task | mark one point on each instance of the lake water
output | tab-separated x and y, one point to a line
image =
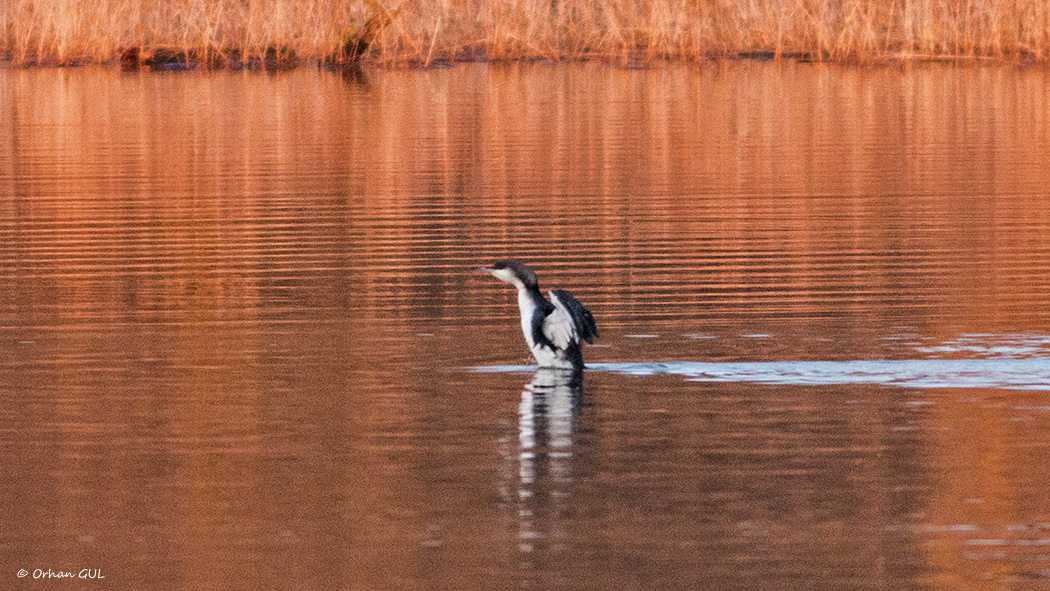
244	343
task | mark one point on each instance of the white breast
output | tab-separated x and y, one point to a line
526	307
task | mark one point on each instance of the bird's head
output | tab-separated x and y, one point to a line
514	273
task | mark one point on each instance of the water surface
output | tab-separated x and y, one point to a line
243	344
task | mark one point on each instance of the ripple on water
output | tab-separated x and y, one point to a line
1008	346
1011	374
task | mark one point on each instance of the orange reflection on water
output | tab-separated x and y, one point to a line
234	309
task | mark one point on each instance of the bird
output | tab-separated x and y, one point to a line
553	329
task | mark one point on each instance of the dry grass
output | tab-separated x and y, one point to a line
72	31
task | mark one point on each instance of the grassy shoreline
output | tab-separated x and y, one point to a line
243	33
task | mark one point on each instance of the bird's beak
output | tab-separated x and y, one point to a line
486	269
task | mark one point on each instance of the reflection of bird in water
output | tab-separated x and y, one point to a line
552	329
546	436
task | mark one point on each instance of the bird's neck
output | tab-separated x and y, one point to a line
530	298
533	289
527	304
530	294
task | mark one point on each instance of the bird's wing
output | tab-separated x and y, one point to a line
570	321
559	329
540	317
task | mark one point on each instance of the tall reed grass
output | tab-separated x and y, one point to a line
70	31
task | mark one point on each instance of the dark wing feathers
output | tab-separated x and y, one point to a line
582	318
539	317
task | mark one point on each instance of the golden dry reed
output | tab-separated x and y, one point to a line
422	31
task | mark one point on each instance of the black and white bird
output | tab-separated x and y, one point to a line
553	329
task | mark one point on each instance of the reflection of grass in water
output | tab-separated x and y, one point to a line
632	31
